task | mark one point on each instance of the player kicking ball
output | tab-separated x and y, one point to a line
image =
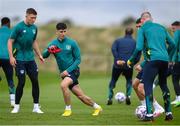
139	86
67	55
139	89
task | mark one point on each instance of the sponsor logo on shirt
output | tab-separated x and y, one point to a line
68	47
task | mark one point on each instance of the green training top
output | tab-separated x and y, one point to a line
176	56
155	36
4	36
24	36
145	55
69	58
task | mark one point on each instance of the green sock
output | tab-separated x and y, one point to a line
149	101
167	102
12	90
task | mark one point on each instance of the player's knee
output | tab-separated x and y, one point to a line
141	88
64	86
135	85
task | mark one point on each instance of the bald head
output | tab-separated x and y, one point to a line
146	16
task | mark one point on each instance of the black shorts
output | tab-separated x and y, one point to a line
29	67
139	75
74	75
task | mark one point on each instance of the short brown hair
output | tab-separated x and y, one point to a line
176	23
31	11
5	21
138	21
129	31
61	26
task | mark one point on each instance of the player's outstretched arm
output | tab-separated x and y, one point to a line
46	53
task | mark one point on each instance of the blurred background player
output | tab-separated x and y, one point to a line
67	54
122	49
23	37
153	37
139	86
176	68
4	57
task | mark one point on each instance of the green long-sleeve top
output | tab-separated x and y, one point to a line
69	57
155	37
4	36
176	56
145	55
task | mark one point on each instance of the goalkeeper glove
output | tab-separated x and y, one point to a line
54	49
129	64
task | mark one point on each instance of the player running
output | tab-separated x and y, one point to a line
67	54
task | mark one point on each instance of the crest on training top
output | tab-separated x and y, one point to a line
68	47
34	31
24	31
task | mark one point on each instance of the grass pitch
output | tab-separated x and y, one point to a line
95	86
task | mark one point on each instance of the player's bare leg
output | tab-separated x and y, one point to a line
136	84
158	109
86	100
66	94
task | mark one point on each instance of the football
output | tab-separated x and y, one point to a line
120	97
140	112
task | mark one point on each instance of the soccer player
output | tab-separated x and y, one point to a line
4	57
122	49
176	68
67	54
23	39
154	36
139	86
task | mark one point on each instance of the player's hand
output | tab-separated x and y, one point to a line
41	58
64	73
13	61
53	49
129	63
120	62
138	68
